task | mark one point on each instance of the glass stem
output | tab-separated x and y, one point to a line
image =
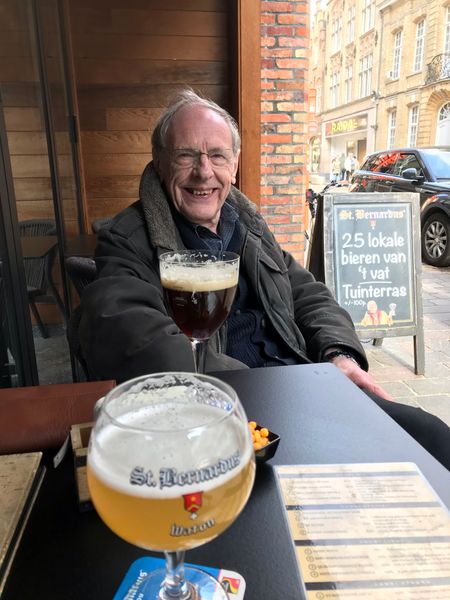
199	347
175	586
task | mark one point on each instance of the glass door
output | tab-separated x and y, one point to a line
41	201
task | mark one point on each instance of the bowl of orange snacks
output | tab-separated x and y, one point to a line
265	442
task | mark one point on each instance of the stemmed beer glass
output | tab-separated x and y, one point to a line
199	290
170	467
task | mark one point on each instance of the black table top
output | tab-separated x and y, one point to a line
321	418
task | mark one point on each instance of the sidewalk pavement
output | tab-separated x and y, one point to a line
392	363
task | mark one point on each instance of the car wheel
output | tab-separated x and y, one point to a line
436	240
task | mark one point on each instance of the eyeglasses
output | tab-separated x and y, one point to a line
188	157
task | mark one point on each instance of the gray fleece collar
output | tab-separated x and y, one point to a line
158	216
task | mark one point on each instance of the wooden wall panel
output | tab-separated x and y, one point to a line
135	21
169	5
110	165
110	71
148	47
23	119
22	105
130	57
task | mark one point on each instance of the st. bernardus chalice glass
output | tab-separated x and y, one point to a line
170	467
199	290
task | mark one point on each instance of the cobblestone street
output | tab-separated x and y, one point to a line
392	363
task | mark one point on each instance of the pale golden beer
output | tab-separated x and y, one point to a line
168	474
165	524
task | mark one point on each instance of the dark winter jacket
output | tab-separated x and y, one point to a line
125	330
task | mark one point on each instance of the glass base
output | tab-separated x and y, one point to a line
200	586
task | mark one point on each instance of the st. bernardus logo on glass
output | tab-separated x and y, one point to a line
193	501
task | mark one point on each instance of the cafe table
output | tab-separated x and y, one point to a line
321	417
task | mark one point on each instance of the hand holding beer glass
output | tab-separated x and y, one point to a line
199	290
170	467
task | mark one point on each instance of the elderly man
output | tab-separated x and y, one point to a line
280	316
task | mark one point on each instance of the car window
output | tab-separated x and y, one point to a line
386	162
438	162
407	160
383	162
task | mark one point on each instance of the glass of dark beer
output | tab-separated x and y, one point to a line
199	289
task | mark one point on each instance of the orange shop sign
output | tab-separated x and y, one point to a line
345	125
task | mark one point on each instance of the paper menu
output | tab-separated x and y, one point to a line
367	531
20	477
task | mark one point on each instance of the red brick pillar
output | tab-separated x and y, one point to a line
284	147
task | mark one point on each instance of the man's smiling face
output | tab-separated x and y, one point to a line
198	191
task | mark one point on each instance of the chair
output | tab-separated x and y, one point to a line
101	223
81	271
38	271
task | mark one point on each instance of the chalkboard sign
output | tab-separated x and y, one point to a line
372	261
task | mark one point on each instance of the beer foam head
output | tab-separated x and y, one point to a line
204	277
206	456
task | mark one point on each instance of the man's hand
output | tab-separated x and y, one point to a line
360	377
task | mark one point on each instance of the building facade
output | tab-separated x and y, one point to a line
414	75
382	78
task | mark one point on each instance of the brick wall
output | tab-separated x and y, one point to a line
284	144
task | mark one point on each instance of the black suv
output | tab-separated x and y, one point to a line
422	170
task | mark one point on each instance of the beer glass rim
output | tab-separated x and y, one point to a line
225	256
115	394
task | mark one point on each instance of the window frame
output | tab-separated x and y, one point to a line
446	47
413	125
392	125
397	54
368	15
348	83
336	33
365	75
335	78
420	46
351	21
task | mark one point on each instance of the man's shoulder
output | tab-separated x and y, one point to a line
128	220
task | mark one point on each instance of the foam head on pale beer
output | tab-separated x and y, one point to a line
171	473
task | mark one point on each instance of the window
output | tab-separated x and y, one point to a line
318	99
397	55
413	120
368	15
381	163
407	161
447	31
420	42
365	75
334	88
443	126
351	12
348	83
314	154
444	113
392	121
336	31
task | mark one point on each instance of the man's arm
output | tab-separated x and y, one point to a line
350	367
328	328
